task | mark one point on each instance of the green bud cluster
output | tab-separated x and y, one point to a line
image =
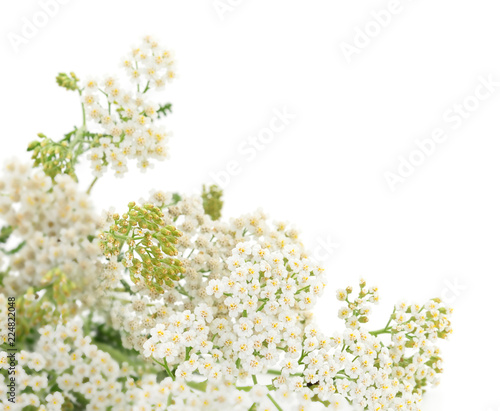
47	304
54	158
61	287
151	246
212	203
69	82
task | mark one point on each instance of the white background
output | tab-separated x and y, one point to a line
325	171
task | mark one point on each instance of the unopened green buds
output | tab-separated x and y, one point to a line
69	82
151	246
54	158
212	202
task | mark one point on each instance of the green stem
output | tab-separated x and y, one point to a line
181	290
261	307
302	289
168	369
83	109
120	236
386	329
274	402
126	286
88	323
302	356
92	185
381	331
248	388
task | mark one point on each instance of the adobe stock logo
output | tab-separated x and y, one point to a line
453	118
452	290
252	145
325	248
222	7
30	27
363	36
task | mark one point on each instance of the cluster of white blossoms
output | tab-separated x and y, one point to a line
66	367
242	309
253	320
256	320
203	249
52	224
125	117
392	374
169	307
66	359
51	263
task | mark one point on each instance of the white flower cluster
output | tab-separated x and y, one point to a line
219	313
391	374
243	309
125	118
203	249
257	323
54	222
66	367
255	320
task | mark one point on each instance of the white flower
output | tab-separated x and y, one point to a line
54	401
149	348
215	288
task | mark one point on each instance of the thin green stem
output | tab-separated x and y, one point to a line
381	331
120	236
165	365
302	356
126	286
92	185
386	329
83	109
274	402
390	318
181	290
168	369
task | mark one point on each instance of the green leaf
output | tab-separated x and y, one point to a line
5	233
176	198
14	250
164	108
200	386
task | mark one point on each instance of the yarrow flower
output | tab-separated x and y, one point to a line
51	258
169	306
120	121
